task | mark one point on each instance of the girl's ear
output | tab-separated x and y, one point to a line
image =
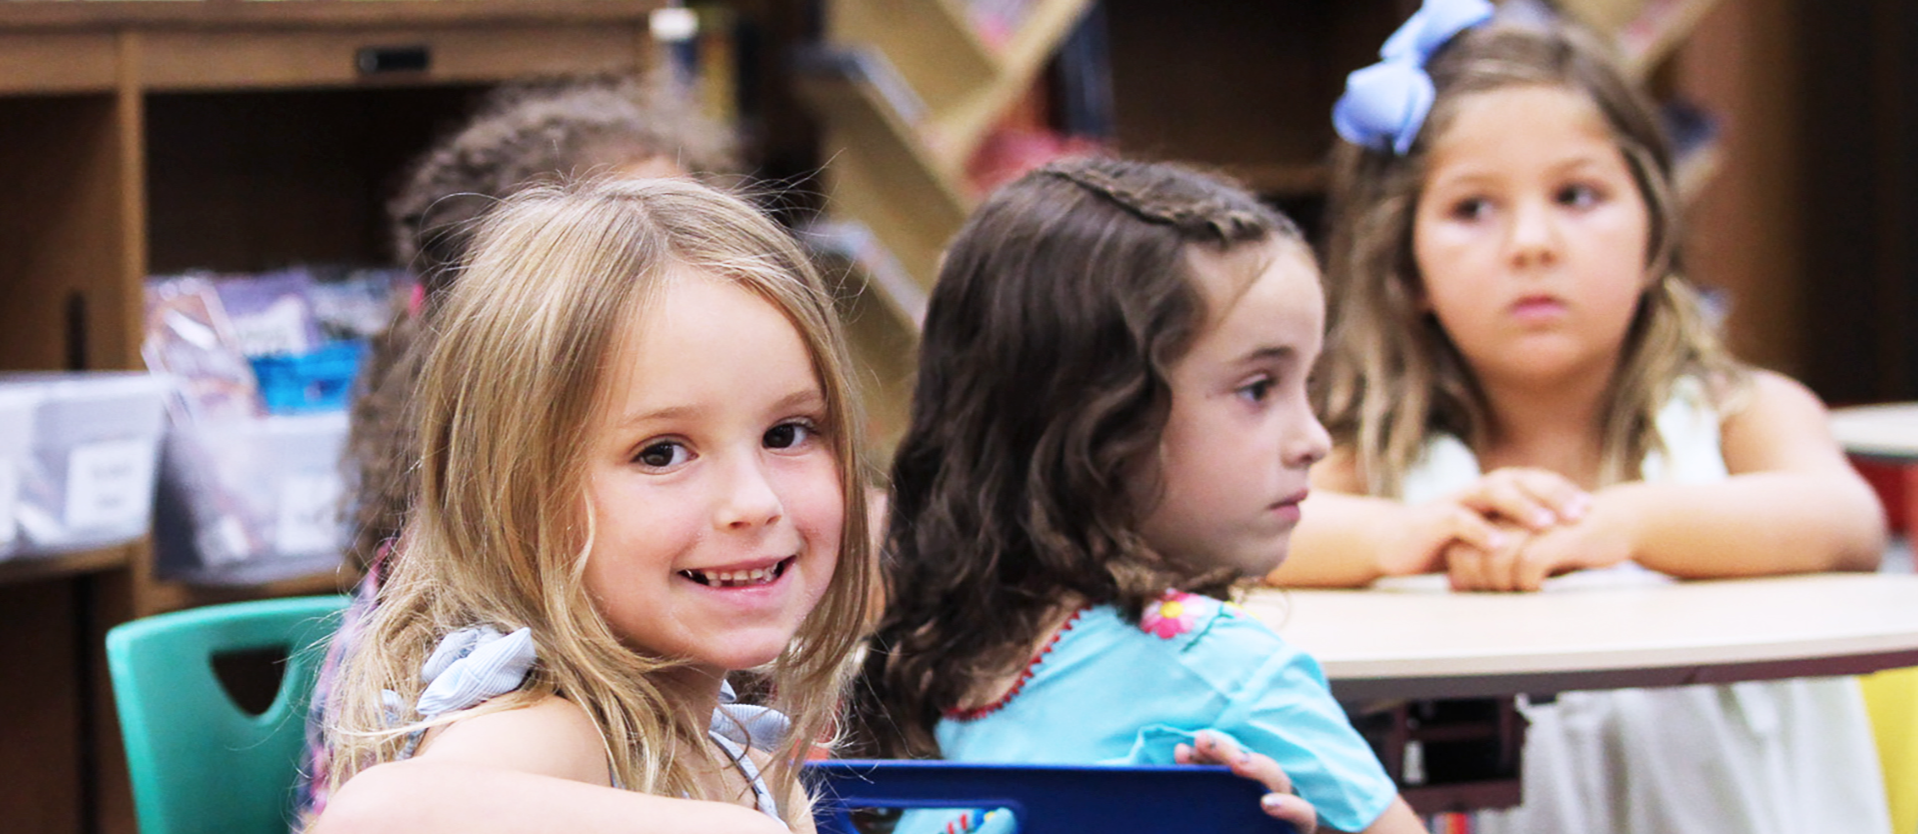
1416	293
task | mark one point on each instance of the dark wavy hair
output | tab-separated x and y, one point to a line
1041	397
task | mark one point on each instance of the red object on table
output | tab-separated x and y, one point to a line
1897	483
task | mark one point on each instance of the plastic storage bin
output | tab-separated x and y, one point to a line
86	479
16	439
251	501
321	380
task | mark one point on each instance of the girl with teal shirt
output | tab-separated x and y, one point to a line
1110	429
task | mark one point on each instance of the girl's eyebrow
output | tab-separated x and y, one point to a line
809	397
799	399
1268	353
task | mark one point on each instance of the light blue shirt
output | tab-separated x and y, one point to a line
1112	692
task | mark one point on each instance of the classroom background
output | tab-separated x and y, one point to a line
190	173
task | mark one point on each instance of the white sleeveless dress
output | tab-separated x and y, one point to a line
1788	756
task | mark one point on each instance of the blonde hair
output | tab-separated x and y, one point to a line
1393	378
525	133
501	532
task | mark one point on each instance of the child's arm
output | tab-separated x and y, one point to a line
1792	504
1348	539
424	796
539	768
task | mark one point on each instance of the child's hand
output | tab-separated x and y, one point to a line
1605	536
1502	567
1524	559
1536	499
1214	747
1431	530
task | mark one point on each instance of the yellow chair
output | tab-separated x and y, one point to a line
1892	700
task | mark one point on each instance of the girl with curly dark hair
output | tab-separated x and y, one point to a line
1110	428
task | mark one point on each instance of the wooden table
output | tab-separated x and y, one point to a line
1422	641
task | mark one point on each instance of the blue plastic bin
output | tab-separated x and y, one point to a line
319	380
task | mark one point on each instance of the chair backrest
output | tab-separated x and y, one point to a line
198	761
1048	799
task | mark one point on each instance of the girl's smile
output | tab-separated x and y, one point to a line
739	576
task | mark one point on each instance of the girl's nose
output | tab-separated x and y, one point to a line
1309	443
1532	235
747	499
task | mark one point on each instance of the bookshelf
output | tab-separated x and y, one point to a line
905	93
146	137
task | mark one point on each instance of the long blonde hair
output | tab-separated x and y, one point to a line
1392	377
501	531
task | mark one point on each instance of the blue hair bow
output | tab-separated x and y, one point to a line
1386	103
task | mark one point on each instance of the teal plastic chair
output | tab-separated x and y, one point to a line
199	762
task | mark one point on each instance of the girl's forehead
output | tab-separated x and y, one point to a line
1224	276
1521	110
698	318
1518	127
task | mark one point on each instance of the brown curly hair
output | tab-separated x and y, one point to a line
535	132
1042	393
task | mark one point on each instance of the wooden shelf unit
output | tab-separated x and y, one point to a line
147	137
906	91
906	94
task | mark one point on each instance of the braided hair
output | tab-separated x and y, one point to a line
1042	393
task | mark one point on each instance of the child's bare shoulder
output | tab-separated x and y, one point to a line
1778	423
550	736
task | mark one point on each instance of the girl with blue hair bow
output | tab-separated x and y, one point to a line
1521	385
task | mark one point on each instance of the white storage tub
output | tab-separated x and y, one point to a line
87	477
16	439
253	500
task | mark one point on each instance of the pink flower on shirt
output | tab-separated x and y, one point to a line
1170	616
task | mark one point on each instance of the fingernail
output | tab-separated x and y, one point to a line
1543	518
1576	508
1497	539
1271	801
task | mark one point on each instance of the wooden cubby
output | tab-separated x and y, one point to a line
905	92
140	138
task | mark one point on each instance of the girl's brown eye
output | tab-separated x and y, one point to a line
1256	391
1578	196
786	435
661	455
